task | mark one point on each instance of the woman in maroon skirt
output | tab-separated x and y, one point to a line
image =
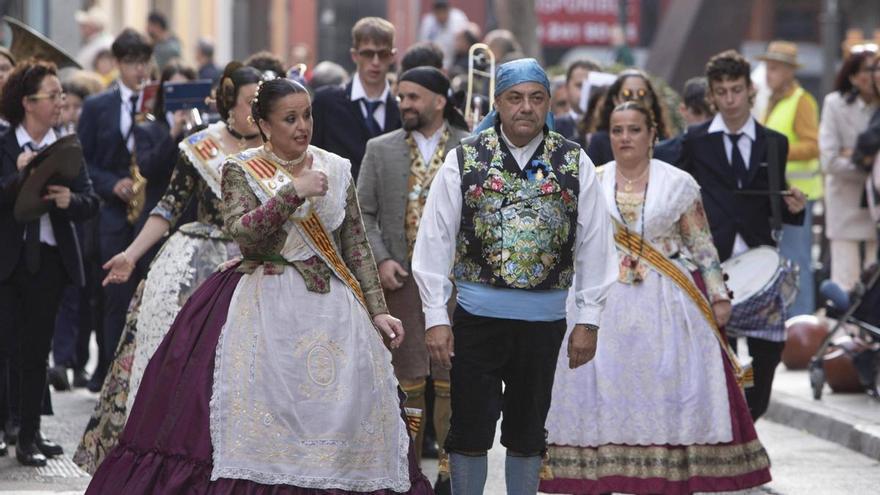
274	377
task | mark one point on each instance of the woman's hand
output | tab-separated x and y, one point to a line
310	183
60	195
24	158
390	326
120	269
226	265
722	311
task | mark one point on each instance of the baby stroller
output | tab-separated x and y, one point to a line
861	308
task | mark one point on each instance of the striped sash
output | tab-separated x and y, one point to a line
270	178
629	243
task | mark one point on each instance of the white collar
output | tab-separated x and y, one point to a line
125	92
432	137
718	125
21	134
358	92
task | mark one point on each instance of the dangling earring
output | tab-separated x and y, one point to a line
231	120
268	143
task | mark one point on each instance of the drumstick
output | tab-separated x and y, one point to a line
754	192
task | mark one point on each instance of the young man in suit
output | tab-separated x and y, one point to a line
727	154
40	257
345	118
395	178
107	132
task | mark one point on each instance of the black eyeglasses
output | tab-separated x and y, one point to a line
384	54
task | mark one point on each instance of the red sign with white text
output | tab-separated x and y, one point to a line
583	22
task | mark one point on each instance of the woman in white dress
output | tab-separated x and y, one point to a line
274	377
658	410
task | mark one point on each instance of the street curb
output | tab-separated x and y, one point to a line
836	426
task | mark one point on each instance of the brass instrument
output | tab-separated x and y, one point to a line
27	42
481	63
135	205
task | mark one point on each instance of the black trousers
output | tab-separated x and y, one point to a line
765	359
116	296
32	299
490	352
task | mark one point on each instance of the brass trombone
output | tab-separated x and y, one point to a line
480	58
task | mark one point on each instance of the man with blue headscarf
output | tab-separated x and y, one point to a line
514	213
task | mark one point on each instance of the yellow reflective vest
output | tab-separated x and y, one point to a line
802	174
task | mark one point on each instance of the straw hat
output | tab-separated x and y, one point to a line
782	51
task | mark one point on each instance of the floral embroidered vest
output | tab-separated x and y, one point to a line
515	232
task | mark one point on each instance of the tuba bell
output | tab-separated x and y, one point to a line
27	42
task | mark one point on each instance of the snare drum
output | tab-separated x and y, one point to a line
764	285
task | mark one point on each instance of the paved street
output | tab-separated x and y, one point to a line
802	463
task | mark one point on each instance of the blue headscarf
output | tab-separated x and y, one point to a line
510	74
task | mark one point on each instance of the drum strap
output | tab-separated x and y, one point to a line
774	185
629	242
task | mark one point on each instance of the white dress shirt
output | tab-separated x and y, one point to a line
125	114
47	235
595	257
745	149
428	144
358	93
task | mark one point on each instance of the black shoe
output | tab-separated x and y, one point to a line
49	448
95	384
429	448
58	378
442	486
29	455
80	378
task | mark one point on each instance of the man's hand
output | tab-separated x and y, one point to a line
390	326
60	195
796	202
123	189
582	345
441	345
389	271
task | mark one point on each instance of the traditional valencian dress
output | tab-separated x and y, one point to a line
186	260
273	379
659	409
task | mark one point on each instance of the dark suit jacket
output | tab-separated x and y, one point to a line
156	153
703	156
669	150
83	205
105	152
339	123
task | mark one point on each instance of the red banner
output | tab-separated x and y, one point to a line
583	22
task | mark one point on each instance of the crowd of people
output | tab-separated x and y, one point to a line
338	275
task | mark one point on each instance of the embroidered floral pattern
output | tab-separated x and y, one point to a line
523	227
185	183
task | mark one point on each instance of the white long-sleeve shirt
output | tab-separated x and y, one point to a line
595	257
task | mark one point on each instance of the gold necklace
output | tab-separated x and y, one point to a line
628	186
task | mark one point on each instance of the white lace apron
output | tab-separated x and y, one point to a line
304	392
658	375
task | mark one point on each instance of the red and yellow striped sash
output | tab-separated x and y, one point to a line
629	243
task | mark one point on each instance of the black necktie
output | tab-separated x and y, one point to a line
132	111
737	162
373	126
32	233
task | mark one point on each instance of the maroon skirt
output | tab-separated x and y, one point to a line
165	447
